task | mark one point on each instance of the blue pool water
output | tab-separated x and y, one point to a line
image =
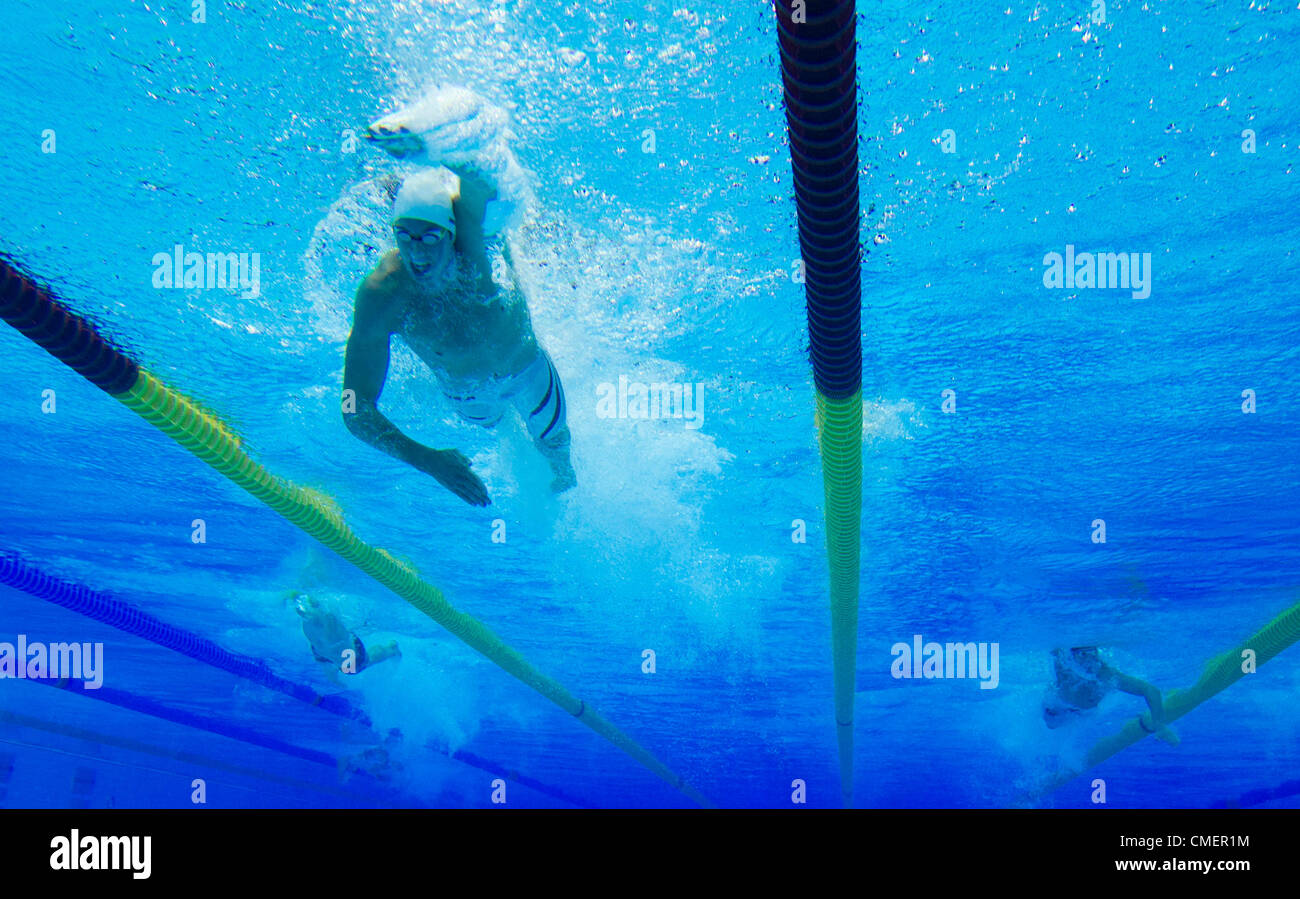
674	265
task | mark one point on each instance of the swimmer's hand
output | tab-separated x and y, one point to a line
451	469
1156	726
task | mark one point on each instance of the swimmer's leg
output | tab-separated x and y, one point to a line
540	400
377	654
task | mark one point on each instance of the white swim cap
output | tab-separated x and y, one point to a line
428	196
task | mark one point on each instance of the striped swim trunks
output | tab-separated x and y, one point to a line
536	392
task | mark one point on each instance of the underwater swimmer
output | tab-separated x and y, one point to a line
330	639
1083	679
377	761
436	291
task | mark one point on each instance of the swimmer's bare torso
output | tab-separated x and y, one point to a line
472	333
464	333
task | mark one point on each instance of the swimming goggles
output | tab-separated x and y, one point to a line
429	238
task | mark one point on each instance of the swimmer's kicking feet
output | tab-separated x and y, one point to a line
436	291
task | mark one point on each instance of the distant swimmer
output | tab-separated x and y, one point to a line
377	761
1083	679
436	291
332	643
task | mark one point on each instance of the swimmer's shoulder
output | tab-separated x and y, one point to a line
385	277
381	297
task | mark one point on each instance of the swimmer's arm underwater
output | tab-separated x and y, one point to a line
1136	687
1155	702
365	371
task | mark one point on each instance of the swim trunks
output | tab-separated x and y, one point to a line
357	646
536	392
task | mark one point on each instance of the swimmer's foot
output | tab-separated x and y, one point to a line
1167	734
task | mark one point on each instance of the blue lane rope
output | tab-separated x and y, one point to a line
147	706
104	608
153	709
102	740
532	783
98	605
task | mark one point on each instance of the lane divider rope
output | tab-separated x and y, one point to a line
818	48
107	609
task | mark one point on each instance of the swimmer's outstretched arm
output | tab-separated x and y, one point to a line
365	371
1154	702
1150	693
